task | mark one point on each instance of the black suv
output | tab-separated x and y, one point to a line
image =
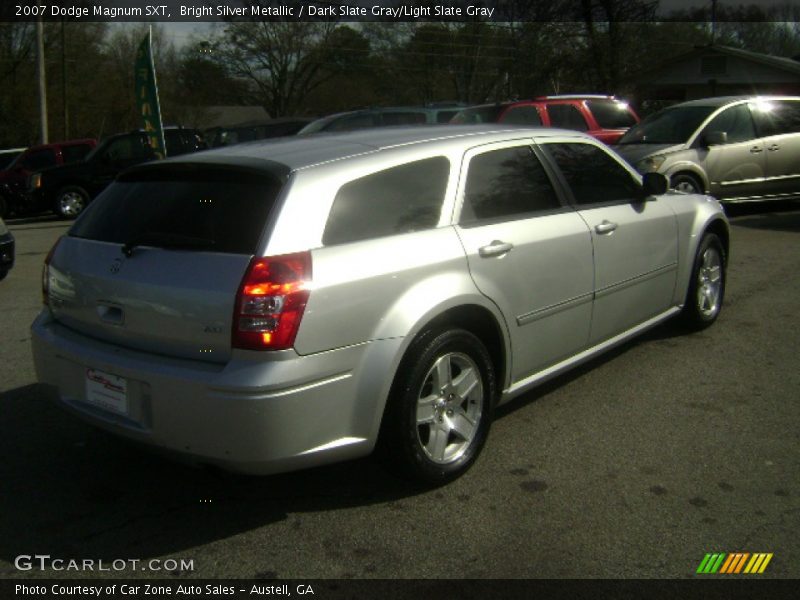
69	188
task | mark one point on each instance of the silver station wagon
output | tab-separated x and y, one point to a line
279	305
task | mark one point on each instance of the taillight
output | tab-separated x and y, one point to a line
271	301
46	274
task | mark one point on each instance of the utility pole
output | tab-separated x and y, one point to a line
64	80
713	21
42	81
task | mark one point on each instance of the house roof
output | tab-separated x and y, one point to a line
787	65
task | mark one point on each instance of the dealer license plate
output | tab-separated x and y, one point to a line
107	391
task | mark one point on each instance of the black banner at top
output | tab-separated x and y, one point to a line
501	11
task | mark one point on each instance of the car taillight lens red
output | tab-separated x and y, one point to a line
46	274
271	301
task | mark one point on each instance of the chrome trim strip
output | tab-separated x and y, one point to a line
614	287
554	308
525	384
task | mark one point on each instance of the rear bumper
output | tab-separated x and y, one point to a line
251	415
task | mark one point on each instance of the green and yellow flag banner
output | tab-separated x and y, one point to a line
147	97
734	563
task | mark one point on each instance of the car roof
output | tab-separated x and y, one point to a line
306	151
718	101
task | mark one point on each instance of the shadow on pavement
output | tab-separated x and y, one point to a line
72	491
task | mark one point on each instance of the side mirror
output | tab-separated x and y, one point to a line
715	138
654	184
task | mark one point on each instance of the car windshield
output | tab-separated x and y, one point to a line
97	149
669	126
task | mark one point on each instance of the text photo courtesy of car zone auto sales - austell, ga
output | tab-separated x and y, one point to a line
425	299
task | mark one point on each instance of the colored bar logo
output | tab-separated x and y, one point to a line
734	563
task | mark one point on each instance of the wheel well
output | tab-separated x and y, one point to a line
691	174
718	227
480	322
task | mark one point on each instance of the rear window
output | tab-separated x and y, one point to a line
610	114
402	199
219	209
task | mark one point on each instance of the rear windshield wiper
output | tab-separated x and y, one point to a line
166	240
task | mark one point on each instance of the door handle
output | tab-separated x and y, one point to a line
496	248
756	150
605	227
774	147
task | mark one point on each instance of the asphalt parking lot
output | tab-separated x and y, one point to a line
635	466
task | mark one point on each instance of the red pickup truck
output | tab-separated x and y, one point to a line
14	178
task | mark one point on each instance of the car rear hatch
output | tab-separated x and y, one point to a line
155	262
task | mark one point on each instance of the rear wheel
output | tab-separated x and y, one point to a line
70	201
440	407
684	182
707	287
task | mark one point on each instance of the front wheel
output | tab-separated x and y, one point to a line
70	202
440	407
689	184
707	287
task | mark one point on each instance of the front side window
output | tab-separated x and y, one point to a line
736	122
398	200
593	176
506	183
403	118
669	126
352	122
566	116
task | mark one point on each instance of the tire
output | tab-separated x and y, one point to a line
70	201
684	182
440	408
707	286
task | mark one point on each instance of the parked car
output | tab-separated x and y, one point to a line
604	117
274	306
251	131
737	148
68	189
383	117
14	178
6	250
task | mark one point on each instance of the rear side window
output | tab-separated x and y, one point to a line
522	115
203	207
506	183
610	114
777	117
566	116
592	175
402	199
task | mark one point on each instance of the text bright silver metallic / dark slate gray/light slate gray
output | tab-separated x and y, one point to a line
274	306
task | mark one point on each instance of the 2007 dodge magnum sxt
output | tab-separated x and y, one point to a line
273	306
